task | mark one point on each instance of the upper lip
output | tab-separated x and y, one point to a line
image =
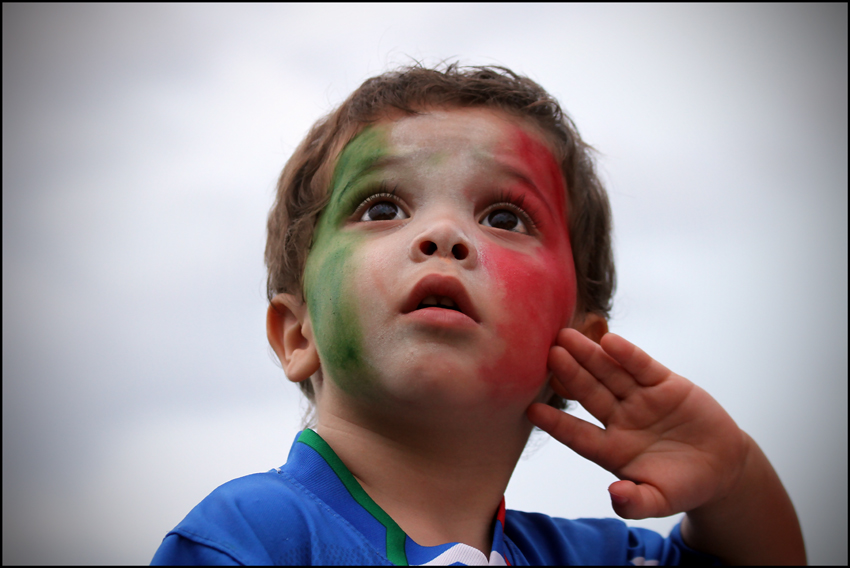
440	285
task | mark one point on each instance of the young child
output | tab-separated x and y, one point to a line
440	272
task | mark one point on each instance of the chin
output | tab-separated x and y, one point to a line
451	385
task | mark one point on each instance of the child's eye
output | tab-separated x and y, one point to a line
505	218
382	207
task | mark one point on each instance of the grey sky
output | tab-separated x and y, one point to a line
141	145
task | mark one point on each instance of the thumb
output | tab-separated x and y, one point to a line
637	501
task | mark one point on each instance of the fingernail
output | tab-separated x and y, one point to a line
619	499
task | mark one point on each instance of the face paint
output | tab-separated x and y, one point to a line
540	159
444	170
538	305
540	289
330	270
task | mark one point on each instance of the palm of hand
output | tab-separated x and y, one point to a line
671	444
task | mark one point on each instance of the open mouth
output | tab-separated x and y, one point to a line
437	291
438	302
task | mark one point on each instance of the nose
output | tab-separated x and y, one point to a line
444	239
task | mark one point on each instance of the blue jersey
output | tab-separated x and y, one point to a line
313	511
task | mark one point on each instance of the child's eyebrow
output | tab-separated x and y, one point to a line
370	166
513	172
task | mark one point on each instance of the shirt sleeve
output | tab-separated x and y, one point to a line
176	550
537	539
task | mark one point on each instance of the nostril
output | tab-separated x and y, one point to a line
460	251
428	247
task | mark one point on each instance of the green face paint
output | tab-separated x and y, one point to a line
331	268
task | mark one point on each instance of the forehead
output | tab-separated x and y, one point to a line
479	132
465	138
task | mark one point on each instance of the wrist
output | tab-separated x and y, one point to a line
753	522
748	472
729	497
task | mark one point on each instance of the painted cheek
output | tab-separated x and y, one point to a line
538	294
538	290
331	269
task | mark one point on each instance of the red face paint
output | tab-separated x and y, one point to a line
443	172
538	288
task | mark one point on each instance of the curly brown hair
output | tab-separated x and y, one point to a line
304	189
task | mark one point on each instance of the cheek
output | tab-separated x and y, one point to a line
330	272
537	295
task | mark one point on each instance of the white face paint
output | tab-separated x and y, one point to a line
463	207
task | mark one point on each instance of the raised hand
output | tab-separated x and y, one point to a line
672	445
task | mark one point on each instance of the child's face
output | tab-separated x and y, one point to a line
461	207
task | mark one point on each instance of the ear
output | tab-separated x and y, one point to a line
592	325
290	333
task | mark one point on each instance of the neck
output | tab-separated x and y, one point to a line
442	482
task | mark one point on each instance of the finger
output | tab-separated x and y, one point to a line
633	501
584	438
645	370
572	381
593	358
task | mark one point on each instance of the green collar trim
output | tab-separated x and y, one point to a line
395	536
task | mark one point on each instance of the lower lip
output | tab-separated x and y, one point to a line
442	318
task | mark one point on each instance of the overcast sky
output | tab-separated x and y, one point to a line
141	146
